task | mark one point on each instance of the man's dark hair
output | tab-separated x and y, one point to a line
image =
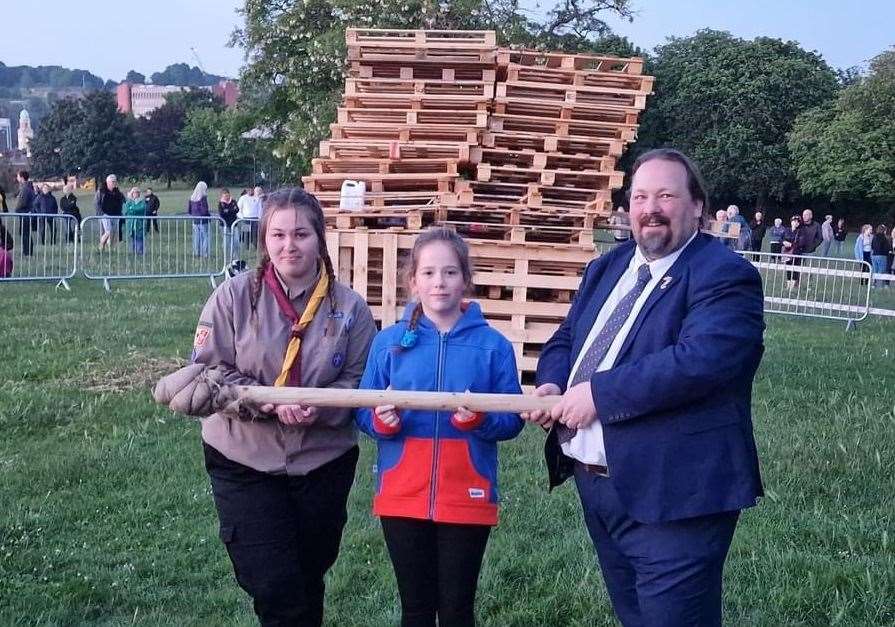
695	182
24	174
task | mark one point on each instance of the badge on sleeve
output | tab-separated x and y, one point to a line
202	331
338	360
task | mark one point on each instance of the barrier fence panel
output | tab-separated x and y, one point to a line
152	247
820	287
243	242
38	247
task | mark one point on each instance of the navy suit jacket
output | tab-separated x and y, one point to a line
676	405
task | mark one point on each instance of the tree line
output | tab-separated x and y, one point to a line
773	125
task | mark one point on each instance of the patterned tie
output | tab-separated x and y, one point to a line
604	339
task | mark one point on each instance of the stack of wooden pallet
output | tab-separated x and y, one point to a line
546	167
415	104
515	149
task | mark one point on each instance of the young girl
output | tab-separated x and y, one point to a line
437	472
135	209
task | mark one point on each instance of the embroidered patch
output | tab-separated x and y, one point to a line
336	315
338	360
476	493
201	336
666	281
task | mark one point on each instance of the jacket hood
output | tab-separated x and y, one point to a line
472	318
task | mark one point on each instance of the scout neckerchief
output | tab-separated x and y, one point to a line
291	372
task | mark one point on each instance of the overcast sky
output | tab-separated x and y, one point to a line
109	37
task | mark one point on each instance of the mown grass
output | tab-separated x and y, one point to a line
106	516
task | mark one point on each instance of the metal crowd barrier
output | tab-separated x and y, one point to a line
818	287
243	244
44	247
152	247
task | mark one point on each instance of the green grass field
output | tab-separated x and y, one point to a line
106	516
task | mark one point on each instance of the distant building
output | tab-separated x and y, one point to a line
140	100
26	134
5	134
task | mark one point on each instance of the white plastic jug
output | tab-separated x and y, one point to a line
352	195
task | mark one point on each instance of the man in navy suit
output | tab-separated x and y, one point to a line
655	363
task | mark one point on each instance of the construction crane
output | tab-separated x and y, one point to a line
198	60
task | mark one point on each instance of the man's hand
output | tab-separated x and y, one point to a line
576	410
293	415
538	416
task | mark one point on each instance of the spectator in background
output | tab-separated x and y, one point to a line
26	202
152	206
863	247
776	234
250	209
813	235
826	236
721	226
68	202
758	229
135	210
839	235
6	245
109	202
198	208
891	264
879	253
3	207
744	239
620	218
228	210
48	207
793	245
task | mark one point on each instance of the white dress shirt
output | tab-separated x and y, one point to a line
587	446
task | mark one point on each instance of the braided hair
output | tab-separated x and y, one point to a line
299	200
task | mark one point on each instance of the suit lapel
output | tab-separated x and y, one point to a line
668	283
605	285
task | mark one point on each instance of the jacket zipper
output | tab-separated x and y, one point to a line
439	382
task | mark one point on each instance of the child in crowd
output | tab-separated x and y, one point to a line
135	225
436	491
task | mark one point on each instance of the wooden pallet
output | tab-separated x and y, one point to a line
404	200
424	71
405	132
348	149
573	94
553	144
566	111
408	218
590	180
594	63
418	102
381	182
419	87
384	166
532	195
416	38
400	117
542	160
639	83
562	128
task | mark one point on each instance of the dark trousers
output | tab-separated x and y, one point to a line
437	567
44	226
153	224
282	533
658	575
25	225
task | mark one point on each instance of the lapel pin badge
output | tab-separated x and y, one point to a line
666	281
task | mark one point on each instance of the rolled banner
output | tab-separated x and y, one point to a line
446	401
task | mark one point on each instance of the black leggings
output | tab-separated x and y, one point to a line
437	567
282	533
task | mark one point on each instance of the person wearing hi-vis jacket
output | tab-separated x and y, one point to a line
280	474
655	363
436	489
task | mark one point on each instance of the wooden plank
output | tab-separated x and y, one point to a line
597	63
389	278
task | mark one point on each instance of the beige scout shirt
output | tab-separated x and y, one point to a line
333	354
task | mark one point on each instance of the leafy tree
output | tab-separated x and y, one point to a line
184	75
158	133
296	49
135	77
845	149
211	146
730	103
47	156
103	140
